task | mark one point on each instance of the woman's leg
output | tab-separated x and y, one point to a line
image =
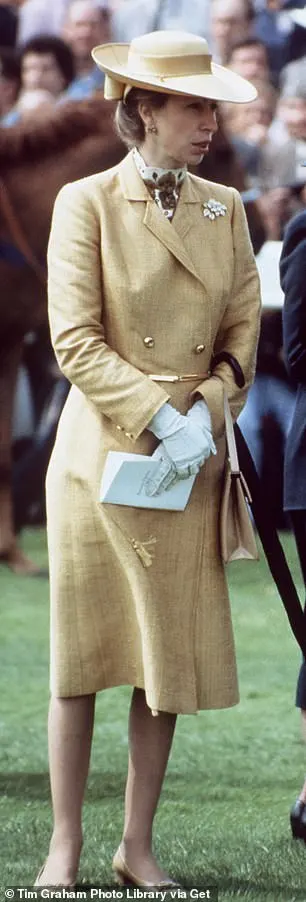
70	729
150	740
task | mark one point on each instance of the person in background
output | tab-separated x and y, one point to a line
291	113
284	148
270	140
47	64
285	40
249	58
292	74
134	17
248	130
230	21
293	282
10	79
40	17
266	417
251	122
87	24
139	597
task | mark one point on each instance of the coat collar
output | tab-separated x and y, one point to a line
170	234
133	186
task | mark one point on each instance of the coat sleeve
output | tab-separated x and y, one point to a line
239	329
119	390
293	282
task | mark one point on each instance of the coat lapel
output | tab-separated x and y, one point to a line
171	235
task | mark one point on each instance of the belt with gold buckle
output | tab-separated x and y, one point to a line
187	377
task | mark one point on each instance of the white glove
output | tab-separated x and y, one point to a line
186	443
166	421
200	414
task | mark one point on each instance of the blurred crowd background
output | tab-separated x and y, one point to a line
45	60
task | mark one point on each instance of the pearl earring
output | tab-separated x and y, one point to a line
152	129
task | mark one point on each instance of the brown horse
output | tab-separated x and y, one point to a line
36	158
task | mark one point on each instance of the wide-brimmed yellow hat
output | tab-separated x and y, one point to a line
174	62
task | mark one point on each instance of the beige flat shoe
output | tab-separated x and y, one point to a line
39	882
125	876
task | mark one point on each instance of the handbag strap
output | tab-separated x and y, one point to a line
230	438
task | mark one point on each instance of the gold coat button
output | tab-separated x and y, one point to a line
199	349
149	341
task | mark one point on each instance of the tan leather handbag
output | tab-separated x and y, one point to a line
237	537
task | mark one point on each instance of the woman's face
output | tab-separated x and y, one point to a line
292	111
41	71
185	128
259	112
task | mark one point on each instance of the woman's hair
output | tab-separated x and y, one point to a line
128	121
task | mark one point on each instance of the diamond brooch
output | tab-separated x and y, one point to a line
213	208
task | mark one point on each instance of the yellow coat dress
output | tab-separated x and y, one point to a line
139	597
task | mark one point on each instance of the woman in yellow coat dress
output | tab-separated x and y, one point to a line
151	273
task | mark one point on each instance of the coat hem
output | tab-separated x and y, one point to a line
162	706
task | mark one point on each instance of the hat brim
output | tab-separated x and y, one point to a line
221	84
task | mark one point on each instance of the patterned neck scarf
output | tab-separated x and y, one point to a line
164	185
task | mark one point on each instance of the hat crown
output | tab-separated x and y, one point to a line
166	54
169	43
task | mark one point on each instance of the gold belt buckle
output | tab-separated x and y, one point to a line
187	377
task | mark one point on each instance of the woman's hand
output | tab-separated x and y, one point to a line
186	443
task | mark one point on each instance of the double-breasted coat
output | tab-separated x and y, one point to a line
139	597
293	281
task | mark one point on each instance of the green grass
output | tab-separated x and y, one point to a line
232	776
